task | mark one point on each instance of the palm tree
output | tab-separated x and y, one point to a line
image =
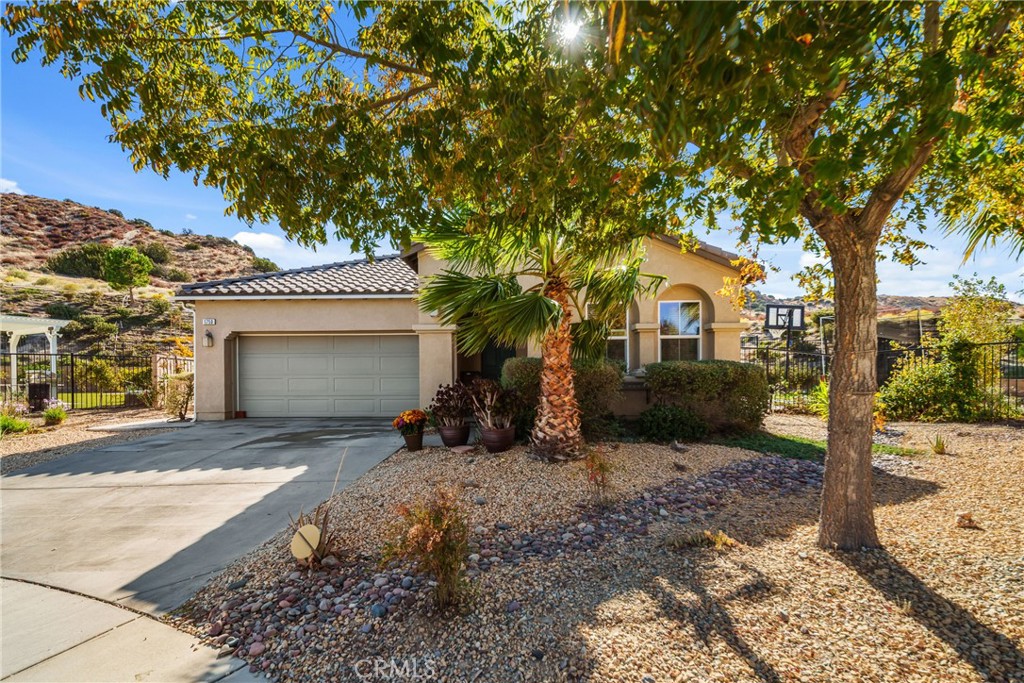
511	286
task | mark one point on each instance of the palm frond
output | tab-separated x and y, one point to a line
588	340
517	319
985	228
456	296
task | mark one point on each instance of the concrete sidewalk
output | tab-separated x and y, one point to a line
52	635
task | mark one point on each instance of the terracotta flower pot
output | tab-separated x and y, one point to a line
454	436
497	440
413	442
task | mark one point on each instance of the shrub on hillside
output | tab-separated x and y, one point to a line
177	275
85	261
61	311
116	212
157	252
264	265
141	221
728	395
597	387
672	423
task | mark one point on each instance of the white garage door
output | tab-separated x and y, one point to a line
323	376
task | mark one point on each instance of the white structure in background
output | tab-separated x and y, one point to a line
14	327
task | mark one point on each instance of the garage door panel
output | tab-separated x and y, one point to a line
400	366
261	386
356	345
308	365
321	376
309	385
393	406
357	365
356	386
393	386
301	345
357	407
263	365
404	345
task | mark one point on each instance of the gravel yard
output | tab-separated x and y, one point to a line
18	451
563	589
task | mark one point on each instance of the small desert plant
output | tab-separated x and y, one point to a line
598	468
44	280
55	412
325	544
938	445
434	534
719	540
450	405
9	423
158	252
817	400
18	274
178	394
177	275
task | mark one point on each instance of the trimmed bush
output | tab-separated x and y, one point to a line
597	388
87	260
944	386
178	394
157	252
727	395
672	423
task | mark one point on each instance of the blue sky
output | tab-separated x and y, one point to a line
54	144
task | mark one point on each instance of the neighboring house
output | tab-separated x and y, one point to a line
347	339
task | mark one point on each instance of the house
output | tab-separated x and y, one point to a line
348	340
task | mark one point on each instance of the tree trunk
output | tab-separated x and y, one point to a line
847	503
556	431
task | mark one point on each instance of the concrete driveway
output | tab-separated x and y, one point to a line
145	524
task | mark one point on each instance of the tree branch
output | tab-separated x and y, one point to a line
402	96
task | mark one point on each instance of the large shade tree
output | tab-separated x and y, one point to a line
845	124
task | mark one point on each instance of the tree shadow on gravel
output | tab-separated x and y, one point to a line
710	618
950	622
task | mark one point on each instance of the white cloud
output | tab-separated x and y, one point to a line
10	186
808	259
190	216
290	255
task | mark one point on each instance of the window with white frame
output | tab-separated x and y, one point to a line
617	344
680	330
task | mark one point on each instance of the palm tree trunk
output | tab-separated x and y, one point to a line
556	431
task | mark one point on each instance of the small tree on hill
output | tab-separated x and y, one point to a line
125	269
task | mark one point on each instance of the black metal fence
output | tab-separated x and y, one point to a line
793	374
81	381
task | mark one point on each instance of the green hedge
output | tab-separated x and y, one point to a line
597	387
728	395
672	423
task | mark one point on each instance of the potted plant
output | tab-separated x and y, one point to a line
493	411
449	409
411	424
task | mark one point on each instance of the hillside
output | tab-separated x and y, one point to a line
34	229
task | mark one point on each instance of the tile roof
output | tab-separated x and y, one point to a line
384	275
706	251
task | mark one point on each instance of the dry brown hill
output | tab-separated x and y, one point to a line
34	228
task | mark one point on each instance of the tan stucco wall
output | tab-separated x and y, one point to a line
688	277
215	372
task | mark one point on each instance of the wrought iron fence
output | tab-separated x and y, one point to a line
793	374
85	381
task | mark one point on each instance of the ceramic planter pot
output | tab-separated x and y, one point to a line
454	436
414	442
497	440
